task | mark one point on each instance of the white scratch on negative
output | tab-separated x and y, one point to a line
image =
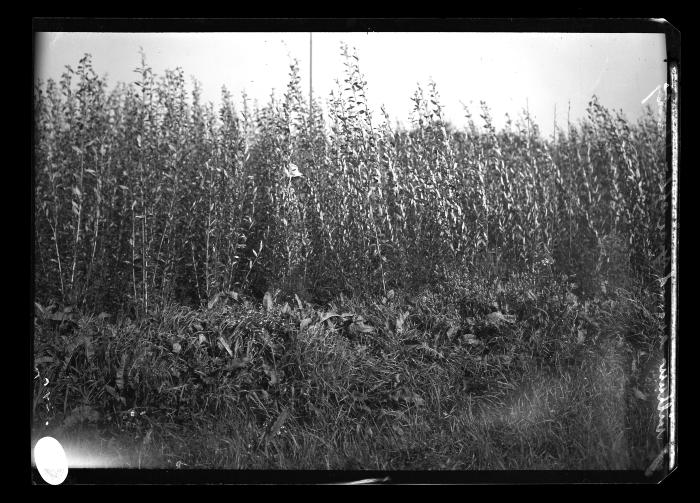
651	94
363	481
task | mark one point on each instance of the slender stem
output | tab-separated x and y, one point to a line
58	254
210	206
77	230
133	254
196	277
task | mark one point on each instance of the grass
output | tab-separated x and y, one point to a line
508	396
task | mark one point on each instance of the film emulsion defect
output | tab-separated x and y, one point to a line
51	461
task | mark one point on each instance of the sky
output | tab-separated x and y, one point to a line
509	71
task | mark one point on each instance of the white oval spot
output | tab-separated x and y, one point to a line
51	460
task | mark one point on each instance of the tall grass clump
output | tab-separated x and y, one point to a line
146	195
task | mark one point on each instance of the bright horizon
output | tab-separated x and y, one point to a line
509	71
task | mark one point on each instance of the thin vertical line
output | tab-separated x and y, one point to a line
527	112
311	77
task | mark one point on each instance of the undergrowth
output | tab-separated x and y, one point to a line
464	376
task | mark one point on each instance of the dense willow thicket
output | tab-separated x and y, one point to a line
144	193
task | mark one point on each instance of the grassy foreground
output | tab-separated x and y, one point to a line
469	374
